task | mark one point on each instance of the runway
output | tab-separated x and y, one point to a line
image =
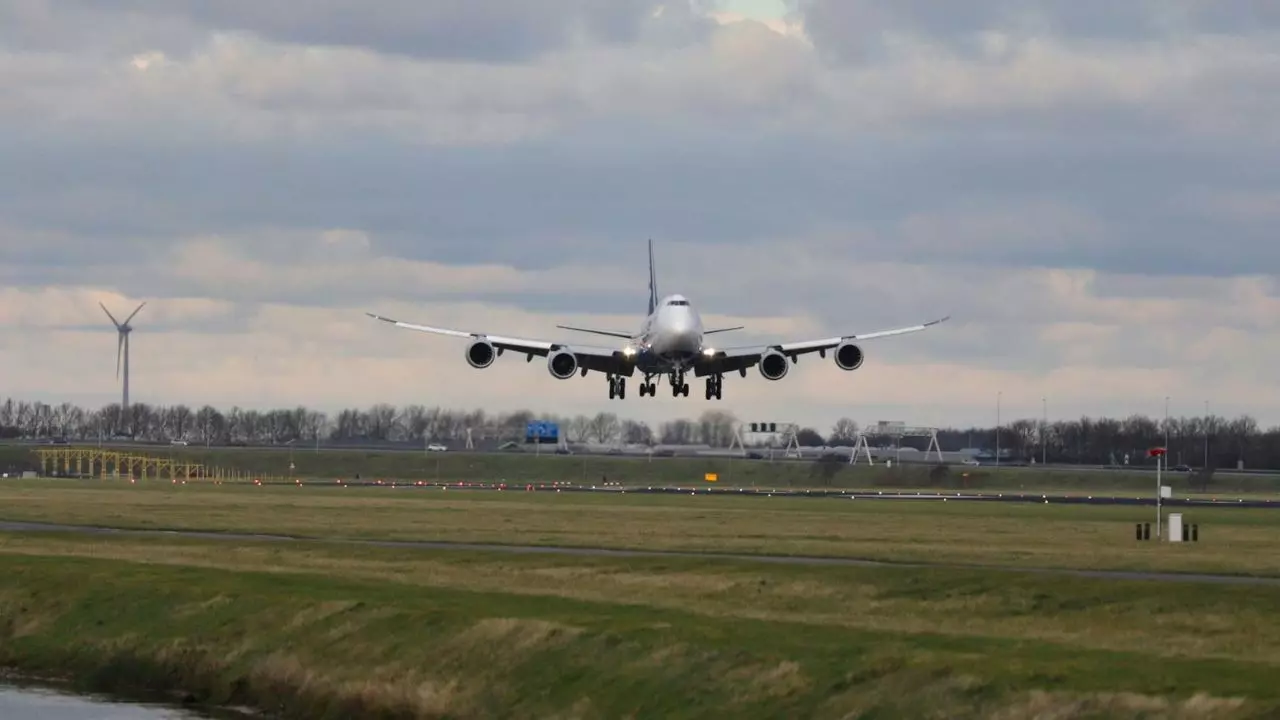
29	527
840	494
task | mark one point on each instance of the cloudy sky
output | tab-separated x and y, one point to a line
1090	188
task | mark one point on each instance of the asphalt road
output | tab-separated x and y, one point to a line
809	455
29	527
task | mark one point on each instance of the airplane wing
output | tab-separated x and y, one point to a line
600	359
610	333
740	358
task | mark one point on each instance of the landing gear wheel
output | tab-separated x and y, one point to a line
617	387
715	385
622	388
678	385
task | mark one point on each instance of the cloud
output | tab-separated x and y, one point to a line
505	31
1089	190
852	30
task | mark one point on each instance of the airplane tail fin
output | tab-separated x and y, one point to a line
653	281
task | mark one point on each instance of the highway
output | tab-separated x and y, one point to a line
807	454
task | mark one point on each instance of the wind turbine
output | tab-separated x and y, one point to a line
122	350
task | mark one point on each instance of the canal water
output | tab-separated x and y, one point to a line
22	702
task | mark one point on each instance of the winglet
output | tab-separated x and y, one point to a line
379	317
937	322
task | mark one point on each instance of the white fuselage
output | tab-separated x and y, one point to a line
671	336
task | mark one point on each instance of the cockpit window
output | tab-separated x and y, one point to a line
678	302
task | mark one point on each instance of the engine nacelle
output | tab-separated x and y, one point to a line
481	353
848	356
774	365
562	364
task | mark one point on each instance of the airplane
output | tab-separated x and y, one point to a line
671	342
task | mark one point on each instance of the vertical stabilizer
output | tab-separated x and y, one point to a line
653	281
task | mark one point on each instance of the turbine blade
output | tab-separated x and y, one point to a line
135	312
119	349
108	312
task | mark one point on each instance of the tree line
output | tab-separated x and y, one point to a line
1095	441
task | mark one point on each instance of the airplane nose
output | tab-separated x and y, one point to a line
685	337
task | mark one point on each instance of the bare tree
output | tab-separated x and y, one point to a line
844	432
604	428
1087	440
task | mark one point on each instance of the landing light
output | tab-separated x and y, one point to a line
628	350
709	351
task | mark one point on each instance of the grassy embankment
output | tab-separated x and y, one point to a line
326	631
323	629
526	467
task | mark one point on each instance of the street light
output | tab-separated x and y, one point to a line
1166	422
1206	436
1159	454
1044	424
998	394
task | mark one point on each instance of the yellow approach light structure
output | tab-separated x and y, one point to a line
105	463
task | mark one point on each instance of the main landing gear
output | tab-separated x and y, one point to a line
715	386
618	387
679	388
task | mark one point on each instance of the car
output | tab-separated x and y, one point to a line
436	447
178	442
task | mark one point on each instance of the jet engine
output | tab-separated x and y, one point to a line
562	364
848	356
481	353
774	365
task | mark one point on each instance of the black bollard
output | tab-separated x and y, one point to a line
1146	531
1195	533
1137	530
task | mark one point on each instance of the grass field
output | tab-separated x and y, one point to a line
526	467
335	630
1032	534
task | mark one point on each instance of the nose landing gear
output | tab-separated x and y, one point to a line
678	385
647	387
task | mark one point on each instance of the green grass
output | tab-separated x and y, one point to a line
327	631
1021	535
525	467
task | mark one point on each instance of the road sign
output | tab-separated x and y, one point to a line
711	477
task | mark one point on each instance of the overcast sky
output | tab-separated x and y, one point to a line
1090	188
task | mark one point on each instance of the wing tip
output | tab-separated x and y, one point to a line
939	321
379	317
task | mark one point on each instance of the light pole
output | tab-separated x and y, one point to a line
998	394
1044	425
1159	490
1206	436
1166	423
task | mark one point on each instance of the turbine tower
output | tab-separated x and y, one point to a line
122	350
